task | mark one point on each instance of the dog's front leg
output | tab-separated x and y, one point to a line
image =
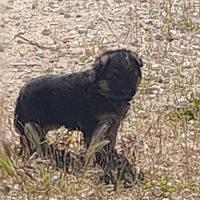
111	134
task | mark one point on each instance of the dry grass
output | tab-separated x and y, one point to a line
160	135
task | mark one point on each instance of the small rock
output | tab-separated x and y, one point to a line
111	19
33	6
16	17
67	15
6	20
159	37
20	69
55	23
186	64
23	31
65	40
72	32
143	114
173	32
88	52
22	53
78	16
1	48
118	1
196	15
56	180
31	64
157	191
46	31
166	80
156	66
16	187
17	23
159	78
61	53
81	31
196	41
182	102
17	64
152	90
53	58
62	12
26	78
40	54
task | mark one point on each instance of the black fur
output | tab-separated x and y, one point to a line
80	101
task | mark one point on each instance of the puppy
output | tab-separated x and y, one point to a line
84	100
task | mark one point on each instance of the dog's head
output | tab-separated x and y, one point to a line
118	74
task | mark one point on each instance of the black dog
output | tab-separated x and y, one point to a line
83	100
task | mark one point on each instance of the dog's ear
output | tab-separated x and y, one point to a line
139	61
101	62
103	59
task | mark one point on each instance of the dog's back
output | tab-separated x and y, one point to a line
52	100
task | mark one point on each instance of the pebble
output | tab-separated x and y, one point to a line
186	64
196	15
81	31
20	69
156	67
1	48
159	37
152	90
61	53
34	6
46	31
157	191
173	32
55	23
166	80
53	5
40	54
159	78
67	15
23	31
17	64
6	20
53	58
22	53
56	180
182	102
16	187
65	40
26	78
17	23
16	17
62	12
31	64
143	114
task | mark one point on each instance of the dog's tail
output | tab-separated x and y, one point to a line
18	124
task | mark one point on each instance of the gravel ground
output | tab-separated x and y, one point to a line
161	133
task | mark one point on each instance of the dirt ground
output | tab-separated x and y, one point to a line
163	125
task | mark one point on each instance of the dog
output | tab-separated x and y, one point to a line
83	100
